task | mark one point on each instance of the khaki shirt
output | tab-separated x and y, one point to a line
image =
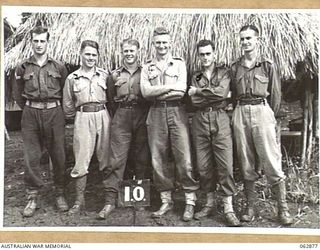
153	79
211	91
79	90
126	84
261	80
39	83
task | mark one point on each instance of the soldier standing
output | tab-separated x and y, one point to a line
257	92
85	98
211	131
163	81
128	126
38	91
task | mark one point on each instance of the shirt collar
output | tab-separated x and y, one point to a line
33	60
79	73
260	59
169	60
123	67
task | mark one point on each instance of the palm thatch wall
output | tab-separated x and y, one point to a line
287	38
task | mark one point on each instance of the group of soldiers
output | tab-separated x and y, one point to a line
140	110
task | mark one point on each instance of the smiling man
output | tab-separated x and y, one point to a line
163	81
256	90
211	132
38	91
128	127
85	98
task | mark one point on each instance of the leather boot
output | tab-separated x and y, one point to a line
208	207
191	199
188	213
32	196
283	210
61	202
80	186
166	206
249	214
230	215
104	213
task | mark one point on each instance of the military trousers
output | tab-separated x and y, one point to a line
128	135
91	134
212	141
256	144
168	134
43	128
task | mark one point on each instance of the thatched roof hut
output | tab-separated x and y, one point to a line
287	38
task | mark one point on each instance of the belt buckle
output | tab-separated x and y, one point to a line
163	104
45	105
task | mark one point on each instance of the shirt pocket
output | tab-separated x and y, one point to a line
54	80
122	87
79	86
260	87
30	84
100	92
170	76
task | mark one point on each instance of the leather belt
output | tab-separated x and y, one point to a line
164	104
251	101
43	105
211	108
94	107
128	105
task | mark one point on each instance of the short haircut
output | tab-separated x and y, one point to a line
131	42
204	42
160	31
39	30
250	27
89	43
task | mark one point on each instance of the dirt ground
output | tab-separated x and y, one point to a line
305	215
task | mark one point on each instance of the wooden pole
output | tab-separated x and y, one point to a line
6	133
304	130
310	128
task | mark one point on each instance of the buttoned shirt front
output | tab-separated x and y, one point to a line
154	77
79	90
39	83
260	80
127	84
211	91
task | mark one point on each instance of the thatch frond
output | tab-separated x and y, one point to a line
286	38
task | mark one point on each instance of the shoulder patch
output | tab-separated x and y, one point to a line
116	72
149	61
177	58
198	76
102	70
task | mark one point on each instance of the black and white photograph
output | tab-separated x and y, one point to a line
155	119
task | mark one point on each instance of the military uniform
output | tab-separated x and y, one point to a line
257	95
128	130
85	98
167	125
38	91
212	139
211	131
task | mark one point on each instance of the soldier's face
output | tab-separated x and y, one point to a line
39	43
249	40
162	44
206	55
130	53
89	57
